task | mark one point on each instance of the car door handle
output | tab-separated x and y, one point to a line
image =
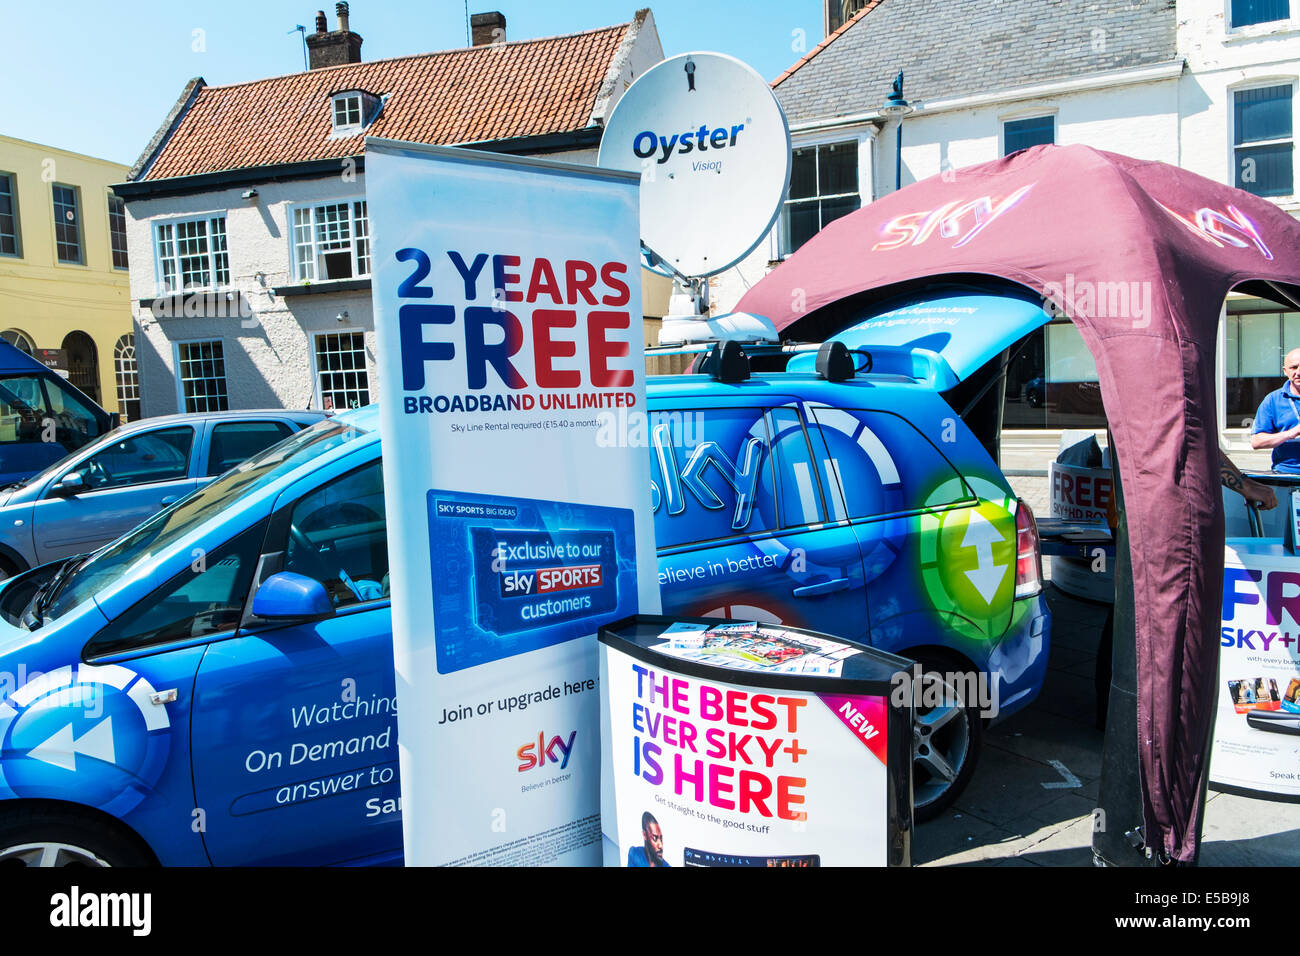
824	587
169	499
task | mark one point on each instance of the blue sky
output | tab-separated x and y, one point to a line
98	78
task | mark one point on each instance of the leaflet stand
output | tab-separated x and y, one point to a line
734	743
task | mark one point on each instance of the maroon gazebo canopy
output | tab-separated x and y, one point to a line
1094	233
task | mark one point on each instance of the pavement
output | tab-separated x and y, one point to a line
1031	800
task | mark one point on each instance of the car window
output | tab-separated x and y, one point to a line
22	409
337	535
878	464
128	554
140	458
207	598
711	475
232	442
74	419
796	470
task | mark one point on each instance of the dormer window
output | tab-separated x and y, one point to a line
352	111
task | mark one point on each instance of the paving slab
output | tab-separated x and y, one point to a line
1243	831
1063	846
1068	695
1006	790
1043	736
954	834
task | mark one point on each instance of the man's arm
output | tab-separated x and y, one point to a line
1273	439
1248	488
1267	434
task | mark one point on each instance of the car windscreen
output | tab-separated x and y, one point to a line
125	555
41	408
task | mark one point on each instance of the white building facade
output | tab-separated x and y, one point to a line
250	269
1195	85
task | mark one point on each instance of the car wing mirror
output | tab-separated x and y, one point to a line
288	596
71	483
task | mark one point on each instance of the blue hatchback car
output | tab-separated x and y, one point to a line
162	697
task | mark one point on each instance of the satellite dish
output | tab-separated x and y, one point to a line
713	149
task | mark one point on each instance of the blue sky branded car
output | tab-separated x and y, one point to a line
163	697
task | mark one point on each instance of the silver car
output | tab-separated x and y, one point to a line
101	491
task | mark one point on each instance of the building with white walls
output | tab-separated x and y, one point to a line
1209	85
246	215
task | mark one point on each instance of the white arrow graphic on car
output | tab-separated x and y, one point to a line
60	749
986	576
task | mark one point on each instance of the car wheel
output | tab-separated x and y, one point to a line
38	837
946	737
7	568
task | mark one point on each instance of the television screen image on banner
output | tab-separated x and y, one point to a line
523	574
1257	725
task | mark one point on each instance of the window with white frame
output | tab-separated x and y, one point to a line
331	241
67	224
348	112
128	378
201	368
10	244
1247	12
117	230
191	254
1263	146
823	187
341	377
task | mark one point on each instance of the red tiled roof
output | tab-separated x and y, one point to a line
468	95
871	5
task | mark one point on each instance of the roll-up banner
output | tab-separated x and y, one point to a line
1257	723
507	310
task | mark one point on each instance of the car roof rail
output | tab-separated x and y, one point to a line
726	362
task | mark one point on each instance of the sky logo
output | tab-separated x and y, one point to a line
740	475
537	754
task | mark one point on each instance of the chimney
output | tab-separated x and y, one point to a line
488	28
325	48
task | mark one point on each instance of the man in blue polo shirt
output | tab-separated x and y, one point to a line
1277	423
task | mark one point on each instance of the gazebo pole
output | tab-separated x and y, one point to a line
1118	837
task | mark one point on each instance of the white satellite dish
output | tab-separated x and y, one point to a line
713	149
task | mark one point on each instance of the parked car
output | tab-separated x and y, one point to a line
219	634
43	417
106	488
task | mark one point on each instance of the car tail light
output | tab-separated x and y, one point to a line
1029	558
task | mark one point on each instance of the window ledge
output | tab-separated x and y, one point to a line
1261	31
323	288
197	304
